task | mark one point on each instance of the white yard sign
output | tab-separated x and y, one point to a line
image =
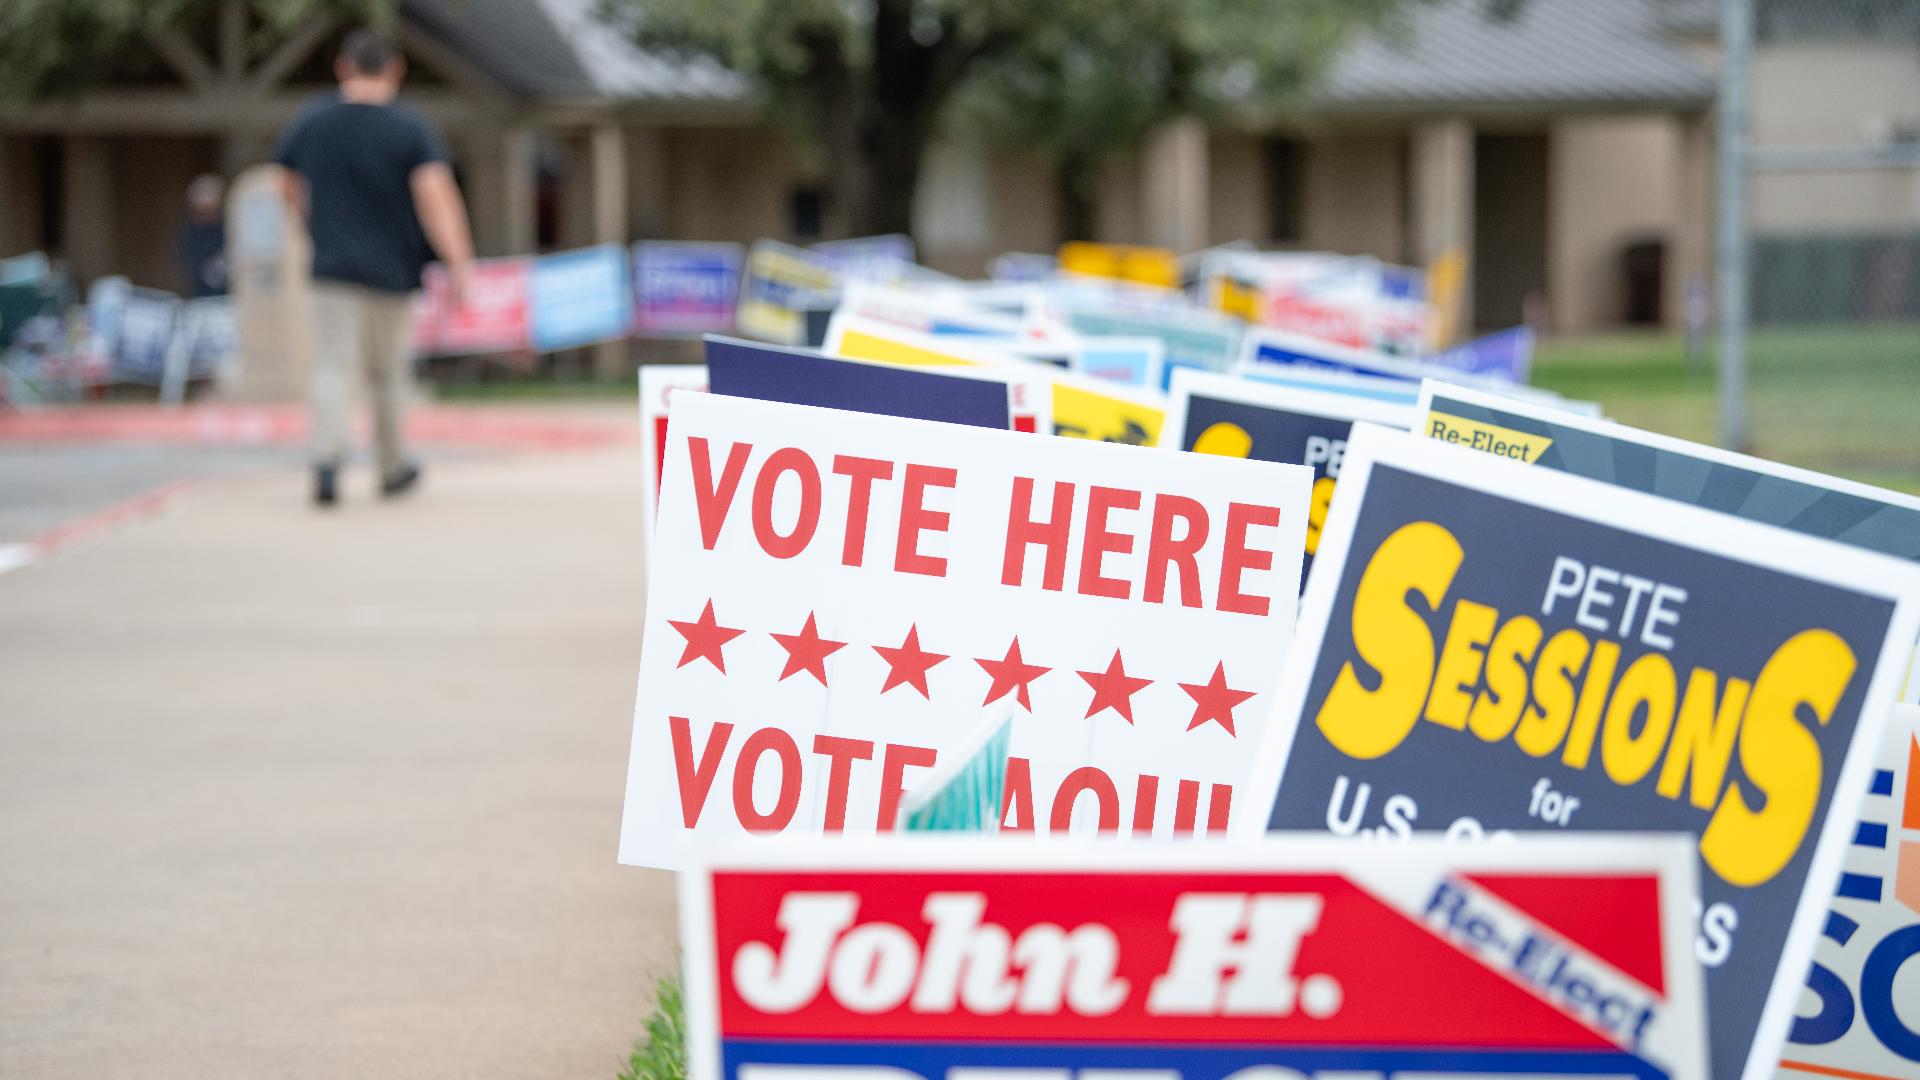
836	597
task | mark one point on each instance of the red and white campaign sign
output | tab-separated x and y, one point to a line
921	958
658	382
835	597
494	316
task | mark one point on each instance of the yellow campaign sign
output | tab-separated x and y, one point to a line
1486	438
1143	265
859	345
770	283
1446	276
1088	414
1235	297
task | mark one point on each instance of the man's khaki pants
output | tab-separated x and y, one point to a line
356	330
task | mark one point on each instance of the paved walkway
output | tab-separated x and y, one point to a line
285	794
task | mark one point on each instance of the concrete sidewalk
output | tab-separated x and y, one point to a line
294	794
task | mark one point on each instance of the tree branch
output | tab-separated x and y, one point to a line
183	57
293	51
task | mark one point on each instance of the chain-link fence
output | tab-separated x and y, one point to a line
1833	211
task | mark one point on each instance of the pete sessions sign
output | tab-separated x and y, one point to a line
1488	646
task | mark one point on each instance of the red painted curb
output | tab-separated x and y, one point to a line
88	526
272	425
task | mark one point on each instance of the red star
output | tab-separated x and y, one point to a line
807	651
704	638
1214	700
909	663
1113	688
1009	673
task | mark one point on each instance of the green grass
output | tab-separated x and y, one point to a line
1840	399
536	390
661	1054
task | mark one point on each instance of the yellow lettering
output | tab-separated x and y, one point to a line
1393	639
1648	681
1545	724
1317	511
1780	757
1224	440
1497	709
1460	662
1593	697
1703	739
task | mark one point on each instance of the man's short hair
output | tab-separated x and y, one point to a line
368	52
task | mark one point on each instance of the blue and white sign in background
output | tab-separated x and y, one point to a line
685	288
579	297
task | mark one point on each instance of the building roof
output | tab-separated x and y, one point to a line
557	51
1549	53
1449	54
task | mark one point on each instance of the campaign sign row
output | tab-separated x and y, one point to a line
1518	621
575	298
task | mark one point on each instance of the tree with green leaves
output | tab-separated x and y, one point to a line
50	48
867	84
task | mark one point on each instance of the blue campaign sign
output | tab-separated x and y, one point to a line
800	377
579	297
1506	355
1352	384
1856	514
682	288
148	319
1129	361
1286	349
872	258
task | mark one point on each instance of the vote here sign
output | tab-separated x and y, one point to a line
1305	959
834	598
1487	646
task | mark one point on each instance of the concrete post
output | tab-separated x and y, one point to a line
1730	249
609	165
1174	185
649	182
10	203
270	259
88	221
483	158
1443	208
519	184
1689	257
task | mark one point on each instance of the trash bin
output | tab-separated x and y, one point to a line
1643	263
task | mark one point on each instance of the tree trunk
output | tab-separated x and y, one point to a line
1074	185
876	123
873	174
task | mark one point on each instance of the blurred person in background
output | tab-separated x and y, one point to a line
373	180
203	238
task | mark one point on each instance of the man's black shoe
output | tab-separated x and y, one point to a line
400	480
325	485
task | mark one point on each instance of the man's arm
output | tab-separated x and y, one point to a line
443	215
293	189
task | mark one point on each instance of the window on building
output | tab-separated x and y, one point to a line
806	208
1286	189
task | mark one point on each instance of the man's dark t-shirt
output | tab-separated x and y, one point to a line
203	254
358	162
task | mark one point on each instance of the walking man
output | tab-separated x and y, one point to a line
372	178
